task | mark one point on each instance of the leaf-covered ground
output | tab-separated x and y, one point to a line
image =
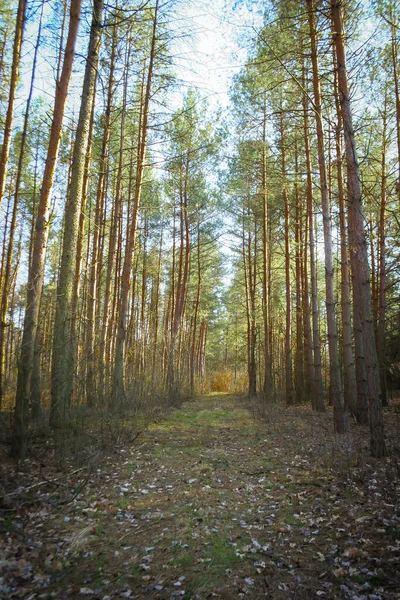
211	502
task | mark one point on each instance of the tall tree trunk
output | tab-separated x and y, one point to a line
334	370
299	359
265	265
74	334
358	252
317	399
62	359
118	392
309	378
395	65
5	150
91	386
288	292
196	312
156	310
6	278
349	371
182	280
36	269
382	263
113	248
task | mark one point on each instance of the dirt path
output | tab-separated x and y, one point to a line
211	503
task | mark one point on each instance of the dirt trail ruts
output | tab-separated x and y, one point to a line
212	503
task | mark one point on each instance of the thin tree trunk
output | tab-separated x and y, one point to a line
91	386
299	360
118	392
74	335
334	370
5	150
382	263
36	270
317	399
62	359
113	249
288	292
308	341
156	309
358	253
6	278
349	371
265	263
395	65
196	312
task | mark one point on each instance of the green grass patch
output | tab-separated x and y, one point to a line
222	554
135	573
196	420
374	580
290	520
131	466
221	461
123	502
393	532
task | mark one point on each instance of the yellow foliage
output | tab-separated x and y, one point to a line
225	381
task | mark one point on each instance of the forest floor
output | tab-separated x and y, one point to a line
210	502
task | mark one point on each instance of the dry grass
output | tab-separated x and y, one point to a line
227	381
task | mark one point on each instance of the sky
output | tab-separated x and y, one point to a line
206	56
212	55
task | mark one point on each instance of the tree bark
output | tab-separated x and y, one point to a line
299	359
288	290
118	391
62	359
265	265
334	367
91	386
349	371
381	345
36	270
5	280
358	246
317	400
5	150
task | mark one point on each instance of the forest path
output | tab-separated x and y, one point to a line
213	503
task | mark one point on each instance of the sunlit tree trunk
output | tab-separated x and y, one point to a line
181	281
299	359
358	248
36	269
288	292
114	250
334	370
265	265
349	372
62	359
395	66
155	313
5	280
77	285
5	150
94	271
196	313
309	377
118	390
317	399
382	261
